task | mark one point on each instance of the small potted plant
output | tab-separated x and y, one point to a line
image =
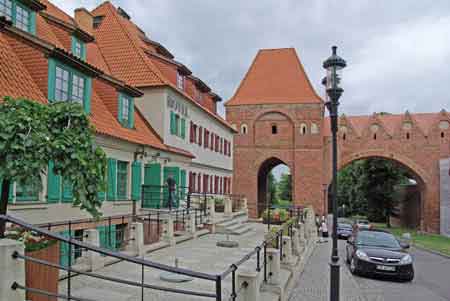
219	204
39	247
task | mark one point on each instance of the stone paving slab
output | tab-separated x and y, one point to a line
199	254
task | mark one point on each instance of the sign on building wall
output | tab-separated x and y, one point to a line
445	196
177	105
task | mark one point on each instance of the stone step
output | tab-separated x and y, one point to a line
268	296
228	223
240	230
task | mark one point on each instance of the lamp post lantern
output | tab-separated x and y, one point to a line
334	65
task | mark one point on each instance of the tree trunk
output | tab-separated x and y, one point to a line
388	215
4	205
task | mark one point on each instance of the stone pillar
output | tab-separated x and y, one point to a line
244	204
168	231
94	259
287	250
212	210
11	270
137	238
296	247
192	229
248	280
273	266
228	206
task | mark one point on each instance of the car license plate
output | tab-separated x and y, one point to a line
385	268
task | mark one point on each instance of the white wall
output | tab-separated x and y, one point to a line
203	156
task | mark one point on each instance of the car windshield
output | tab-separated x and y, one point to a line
363	222
345	226
377	239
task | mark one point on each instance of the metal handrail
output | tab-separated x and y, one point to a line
113	279
144	262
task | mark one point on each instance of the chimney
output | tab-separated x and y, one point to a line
84	19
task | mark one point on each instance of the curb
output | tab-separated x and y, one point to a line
431	251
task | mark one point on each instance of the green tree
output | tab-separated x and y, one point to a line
367	187
284	188
272	186
32	134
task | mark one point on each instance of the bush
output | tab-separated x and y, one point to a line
276	215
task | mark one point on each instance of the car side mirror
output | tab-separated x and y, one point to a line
404	245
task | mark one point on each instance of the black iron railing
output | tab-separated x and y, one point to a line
260	252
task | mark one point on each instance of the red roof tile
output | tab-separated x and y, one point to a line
123	47
276	76
15	80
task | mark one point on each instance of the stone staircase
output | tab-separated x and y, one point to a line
234	225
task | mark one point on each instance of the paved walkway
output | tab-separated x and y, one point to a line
200	254
314	283
431	281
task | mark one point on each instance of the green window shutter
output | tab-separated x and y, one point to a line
67	195
173	125
136	169
87	94
51	80
131	114
119	111
32	27
122	180
112	179
53	185
26	192
64	250
182	188
152	176
183	128
83	51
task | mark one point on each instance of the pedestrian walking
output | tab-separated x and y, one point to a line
324	228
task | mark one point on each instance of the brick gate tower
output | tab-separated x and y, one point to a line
279	117
280	120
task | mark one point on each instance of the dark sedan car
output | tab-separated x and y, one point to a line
344	230
379	253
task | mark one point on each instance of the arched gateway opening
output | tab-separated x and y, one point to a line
382	189
274	188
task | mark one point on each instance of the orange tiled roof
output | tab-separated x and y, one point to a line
276	76
123	46
390	122
15	80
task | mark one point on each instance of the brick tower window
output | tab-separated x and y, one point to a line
274	129
244	129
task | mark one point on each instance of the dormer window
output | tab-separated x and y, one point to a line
198	95
126	110
68	84
180	81
21	16
78	48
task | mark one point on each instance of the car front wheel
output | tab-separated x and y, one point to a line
353	268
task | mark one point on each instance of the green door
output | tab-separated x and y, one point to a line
152	177
182	190
64	249
107	237
175	172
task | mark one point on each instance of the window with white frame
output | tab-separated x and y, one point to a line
125	109
62	84
22	18
77	89
6	9
180	81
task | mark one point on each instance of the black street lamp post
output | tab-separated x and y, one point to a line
334	65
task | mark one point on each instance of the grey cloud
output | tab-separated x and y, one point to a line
396	50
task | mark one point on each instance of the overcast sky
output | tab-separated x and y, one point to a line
397	51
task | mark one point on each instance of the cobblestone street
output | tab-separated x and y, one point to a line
430	283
